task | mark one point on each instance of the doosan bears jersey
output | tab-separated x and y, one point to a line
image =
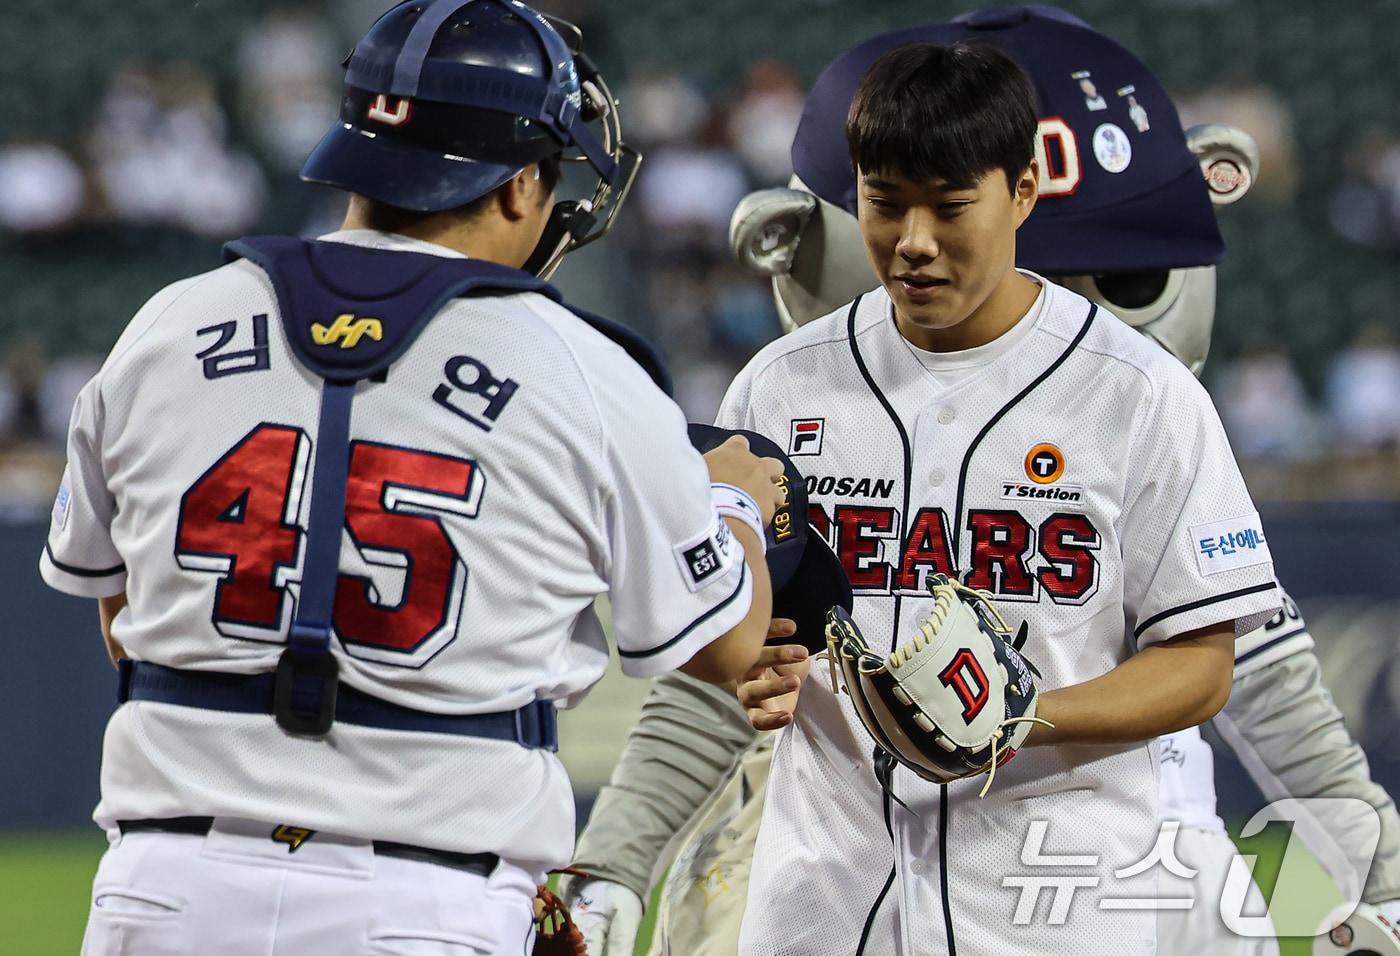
511	465
1078	472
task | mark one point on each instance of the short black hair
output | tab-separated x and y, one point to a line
950	112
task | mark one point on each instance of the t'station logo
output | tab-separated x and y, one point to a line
806	436
1045	464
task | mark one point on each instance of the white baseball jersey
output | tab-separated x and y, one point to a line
1080	473
514	465
1188	763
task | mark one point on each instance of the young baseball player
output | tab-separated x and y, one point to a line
346	506
961	394
1044	452
1279	717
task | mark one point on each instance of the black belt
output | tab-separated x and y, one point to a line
533	725
481	864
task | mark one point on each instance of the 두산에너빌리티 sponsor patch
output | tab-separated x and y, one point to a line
1230	544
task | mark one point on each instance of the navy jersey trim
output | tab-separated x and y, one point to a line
898	598
81	572
1203	602
903	438
889	880
1275	642
738	588
967	456
943	868
870	917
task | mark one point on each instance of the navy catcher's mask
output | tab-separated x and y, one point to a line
445	100
807	576
1120	190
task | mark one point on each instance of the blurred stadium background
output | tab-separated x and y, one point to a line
138	136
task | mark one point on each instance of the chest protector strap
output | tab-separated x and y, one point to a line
348	313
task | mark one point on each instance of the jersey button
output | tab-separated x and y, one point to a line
916	866
936	477
946	416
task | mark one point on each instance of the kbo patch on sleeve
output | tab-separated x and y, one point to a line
703	561
1229	544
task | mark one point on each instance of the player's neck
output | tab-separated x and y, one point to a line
998	314
476	237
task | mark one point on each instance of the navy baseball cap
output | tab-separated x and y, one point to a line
1122	192
806	574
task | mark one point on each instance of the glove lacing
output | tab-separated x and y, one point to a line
944	594
998	751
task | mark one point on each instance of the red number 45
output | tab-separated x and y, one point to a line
398	598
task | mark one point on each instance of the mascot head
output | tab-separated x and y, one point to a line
1126	211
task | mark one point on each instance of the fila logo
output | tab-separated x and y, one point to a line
1045	464
347	331
294	837
806	436
379	111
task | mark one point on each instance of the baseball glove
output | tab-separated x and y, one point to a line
955	701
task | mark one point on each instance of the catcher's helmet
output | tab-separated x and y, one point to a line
445	100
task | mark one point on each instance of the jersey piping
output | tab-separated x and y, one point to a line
653	651
967	457
903	517
1203	602
81	572
1250	655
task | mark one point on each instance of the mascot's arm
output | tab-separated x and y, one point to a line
1285	729
683	745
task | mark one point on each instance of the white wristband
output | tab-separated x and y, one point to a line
734	502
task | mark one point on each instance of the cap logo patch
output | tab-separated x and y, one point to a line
380	112
1057	154
1112	148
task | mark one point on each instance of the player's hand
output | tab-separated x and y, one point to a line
770	689
733	464
608	915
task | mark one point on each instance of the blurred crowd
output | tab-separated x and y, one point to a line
171	156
